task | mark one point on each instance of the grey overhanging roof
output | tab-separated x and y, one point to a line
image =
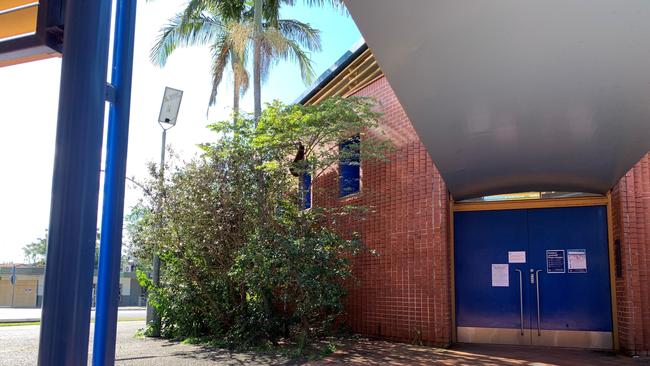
512	95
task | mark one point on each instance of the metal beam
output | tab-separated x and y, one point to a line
75	185
108	278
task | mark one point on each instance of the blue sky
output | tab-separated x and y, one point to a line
29	101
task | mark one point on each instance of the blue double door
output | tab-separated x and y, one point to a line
533	276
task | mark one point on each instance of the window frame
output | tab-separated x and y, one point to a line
306	191
344	166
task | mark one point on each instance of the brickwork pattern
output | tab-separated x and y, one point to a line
631	226
403	292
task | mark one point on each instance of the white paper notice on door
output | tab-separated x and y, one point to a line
577	260
500	275
517	257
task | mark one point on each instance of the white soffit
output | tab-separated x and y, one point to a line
516	95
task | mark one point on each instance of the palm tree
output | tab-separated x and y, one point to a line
270	10
257	58
203	29
226	27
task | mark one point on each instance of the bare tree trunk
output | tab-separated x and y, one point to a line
257	62
235	100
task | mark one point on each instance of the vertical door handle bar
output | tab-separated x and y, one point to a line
539	329
521	301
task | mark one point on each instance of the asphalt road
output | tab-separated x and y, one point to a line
19	346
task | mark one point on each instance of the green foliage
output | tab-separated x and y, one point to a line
226	26
36	250
242	263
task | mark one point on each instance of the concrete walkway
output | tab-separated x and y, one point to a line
16	315
367	352
19	347
370	352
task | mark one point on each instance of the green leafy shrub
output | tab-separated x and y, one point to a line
242	262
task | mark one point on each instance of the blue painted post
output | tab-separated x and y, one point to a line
108	277
75	185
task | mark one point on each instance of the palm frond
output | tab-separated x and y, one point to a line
227	27
274	40
240	73
240	36
276	47
220	57
229	10
196	7
272	12
180	31
335	4
297	54
269	55
302	33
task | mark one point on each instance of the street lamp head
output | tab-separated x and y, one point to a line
171	103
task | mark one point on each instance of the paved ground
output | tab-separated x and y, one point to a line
19	345
365	352
31	314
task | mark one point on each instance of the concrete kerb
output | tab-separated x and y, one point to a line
27	320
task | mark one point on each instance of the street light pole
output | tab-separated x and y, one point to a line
152	315
167	119
156	259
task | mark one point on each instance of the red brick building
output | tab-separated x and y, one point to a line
410	291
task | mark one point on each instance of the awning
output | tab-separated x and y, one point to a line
30	30
511	95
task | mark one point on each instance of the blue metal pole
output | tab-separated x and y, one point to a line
108	276
75	185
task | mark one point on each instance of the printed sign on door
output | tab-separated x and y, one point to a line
577	260
555	261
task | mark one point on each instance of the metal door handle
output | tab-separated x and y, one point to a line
521	301
539	329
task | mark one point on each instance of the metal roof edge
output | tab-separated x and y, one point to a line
357	49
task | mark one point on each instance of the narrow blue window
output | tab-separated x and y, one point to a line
306	190
349	167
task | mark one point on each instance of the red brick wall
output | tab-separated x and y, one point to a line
403	292
631	226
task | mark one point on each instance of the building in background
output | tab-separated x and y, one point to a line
27	292
545	268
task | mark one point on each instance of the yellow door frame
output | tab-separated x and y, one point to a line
536	203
